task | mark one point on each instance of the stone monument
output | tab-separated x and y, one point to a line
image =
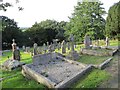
87	41
44	48
73	54
16	52
35	49
107	41
63	46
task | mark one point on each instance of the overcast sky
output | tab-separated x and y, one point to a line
38	10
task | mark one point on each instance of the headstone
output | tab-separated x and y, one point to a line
50	48
107	41
59	46
39	50
27	49
87	41
44	48
73	54
16	52
72	42
63	46
23	47
35	49
68	45
47	45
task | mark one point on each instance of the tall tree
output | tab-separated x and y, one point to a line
45	31
113	21
87	18
10	31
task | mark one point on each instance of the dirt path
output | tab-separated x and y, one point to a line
113	70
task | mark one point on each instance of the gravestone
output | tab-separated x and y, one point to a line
11	64
72	42
44	48
68	45
35	49
59	46
23	47
63	46
39	50
16	52
73	54
87	41
47	45
27	49
107	41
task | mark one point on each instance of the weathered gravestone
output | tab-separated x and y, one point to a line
16	52
68	45
35	49
44	48
39	49
15	62
87	41
59	46
73	54
63	46
27	49
107	41
23	47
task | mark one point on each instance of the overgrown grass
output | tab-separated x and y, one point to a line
88	59
92	80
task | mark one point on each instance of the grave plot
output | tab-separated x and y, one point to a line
99	51
54	71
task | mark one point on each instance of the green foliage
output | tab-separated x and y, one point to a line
87	18
45	31
10	31
112	27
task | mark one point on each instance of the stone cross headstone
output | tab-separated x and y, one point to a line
63	46
35	49
107	41
87	41
16	52
14	45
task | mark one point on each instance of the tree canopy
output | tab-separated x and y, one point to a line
112	27
10	31
87	18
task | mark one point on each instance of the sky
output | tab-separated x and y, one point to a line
39	10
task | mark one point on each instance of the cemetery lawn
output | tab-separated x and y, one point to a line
93	79
89	59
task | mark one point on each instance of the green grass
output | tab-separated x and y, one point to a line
88	59
92	80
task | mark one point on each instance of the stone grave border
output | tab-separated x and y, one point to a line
28	72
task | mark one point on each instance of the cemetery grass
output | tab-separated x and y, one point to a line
89	59
92	80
